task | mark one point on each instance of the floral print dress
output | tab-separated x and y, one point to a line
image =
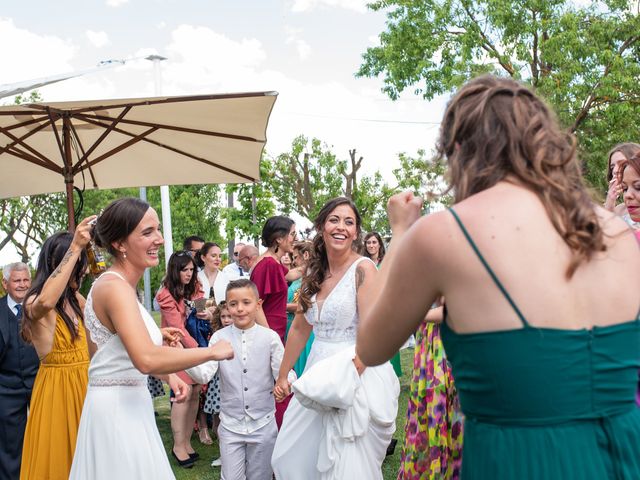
433	433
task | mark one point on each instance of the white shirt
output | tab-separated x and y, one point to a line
12	305
204	373
232	271
219	285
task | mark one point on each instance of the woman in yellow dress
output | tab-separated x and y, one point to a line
53	322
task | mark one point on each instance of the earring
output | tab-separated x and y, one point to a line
124	255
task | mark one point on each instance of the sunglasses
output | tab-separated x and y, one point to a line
235	254
184	253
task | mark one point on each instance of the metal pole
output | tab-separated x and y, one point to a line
232	241
165	199
68	174
253	212
147	272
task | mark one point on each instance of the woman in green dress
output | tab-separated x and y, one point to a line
541	285
374	249
301	254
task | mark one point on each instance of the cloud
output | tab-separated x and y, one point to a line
97	39
308	5
116	3
34	55
302	47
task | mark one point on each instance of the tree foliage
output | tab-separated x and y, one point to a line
255	203
583	59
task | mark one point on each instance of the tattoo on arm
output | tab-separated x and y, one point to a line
65	260
359	278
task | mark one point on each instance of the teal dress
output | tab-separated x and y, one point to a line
544	403
292	297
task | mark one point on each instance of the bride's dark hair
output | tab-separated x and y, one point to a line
318	263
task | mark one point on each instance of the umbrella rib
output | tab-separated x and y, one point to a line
158	100
25	145
74	132
173	149
172	127
126	144
108	130
28	122
20	139
55	132
25	156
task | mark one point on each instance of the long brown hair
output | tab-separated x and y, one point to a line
627	149
496	127
51	256
319	263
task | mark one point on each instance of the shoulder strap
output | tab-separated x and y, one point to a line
488	268
114	273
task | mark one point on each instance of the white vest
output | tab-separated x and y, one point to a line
247	390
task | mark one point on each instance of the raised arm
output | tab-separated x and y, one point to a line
395	301
40	306
116	300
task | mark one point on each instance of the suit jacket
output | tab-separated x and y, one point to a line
18	360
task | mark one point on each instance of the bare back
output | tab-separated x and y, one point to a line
513	233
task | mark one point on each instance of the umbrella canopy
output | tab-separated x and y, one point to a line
49	147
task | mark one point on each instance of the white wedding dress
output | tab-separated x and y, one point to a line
118	437
338	424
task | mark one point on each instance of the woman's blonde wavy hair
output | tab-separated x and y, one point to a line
496	127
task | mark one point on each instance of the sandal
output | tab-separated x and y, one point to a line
205	438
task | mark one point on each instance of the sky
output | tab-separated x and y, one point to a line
306	50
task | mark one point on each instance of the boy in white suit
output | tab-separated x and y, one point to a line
247	430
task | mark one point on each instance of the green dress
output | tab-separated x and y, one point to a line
292	297
544	403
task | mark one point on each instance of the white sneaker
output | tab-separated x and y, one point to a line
217	462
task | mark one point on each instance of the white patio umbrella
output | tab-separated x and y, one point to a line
49	147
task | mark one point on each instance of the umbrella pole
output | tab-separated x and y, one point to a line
68	173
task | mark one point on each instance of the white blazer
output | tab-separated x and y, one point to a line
219	286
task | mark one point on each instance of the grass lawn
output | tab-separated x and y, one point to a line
202	470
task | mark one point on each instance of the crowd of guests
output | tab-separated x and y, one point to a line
292	354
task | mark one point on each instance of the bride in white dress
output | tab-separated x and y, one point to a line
118	437
342	416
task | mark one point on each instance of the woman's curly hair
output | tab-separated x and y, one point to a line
496	127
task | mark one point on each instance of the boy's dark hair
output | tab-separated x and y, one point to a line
243	283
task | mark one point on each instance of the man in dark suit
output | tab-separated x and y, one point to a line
18	367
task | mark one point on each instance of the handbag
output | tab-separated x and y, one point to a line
198	328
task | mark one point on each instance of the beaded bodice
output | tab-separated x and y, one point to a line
336	319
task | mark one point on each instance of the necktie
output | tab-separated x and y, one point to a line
18	311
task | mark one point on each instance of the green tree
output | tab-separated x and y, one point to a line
255	203
582	59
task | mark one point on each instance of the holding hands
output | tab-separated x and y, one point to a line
282	389
172	336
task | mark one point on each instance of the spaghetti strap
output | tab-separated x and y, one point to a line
488	268
113	273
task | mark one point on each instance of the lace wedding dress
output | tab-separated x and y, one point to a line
338	424
118	437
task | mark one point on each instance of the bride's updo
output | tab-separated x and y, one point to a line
117	221
319	264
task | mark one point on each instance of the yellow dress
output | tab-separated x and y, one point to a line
56	406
